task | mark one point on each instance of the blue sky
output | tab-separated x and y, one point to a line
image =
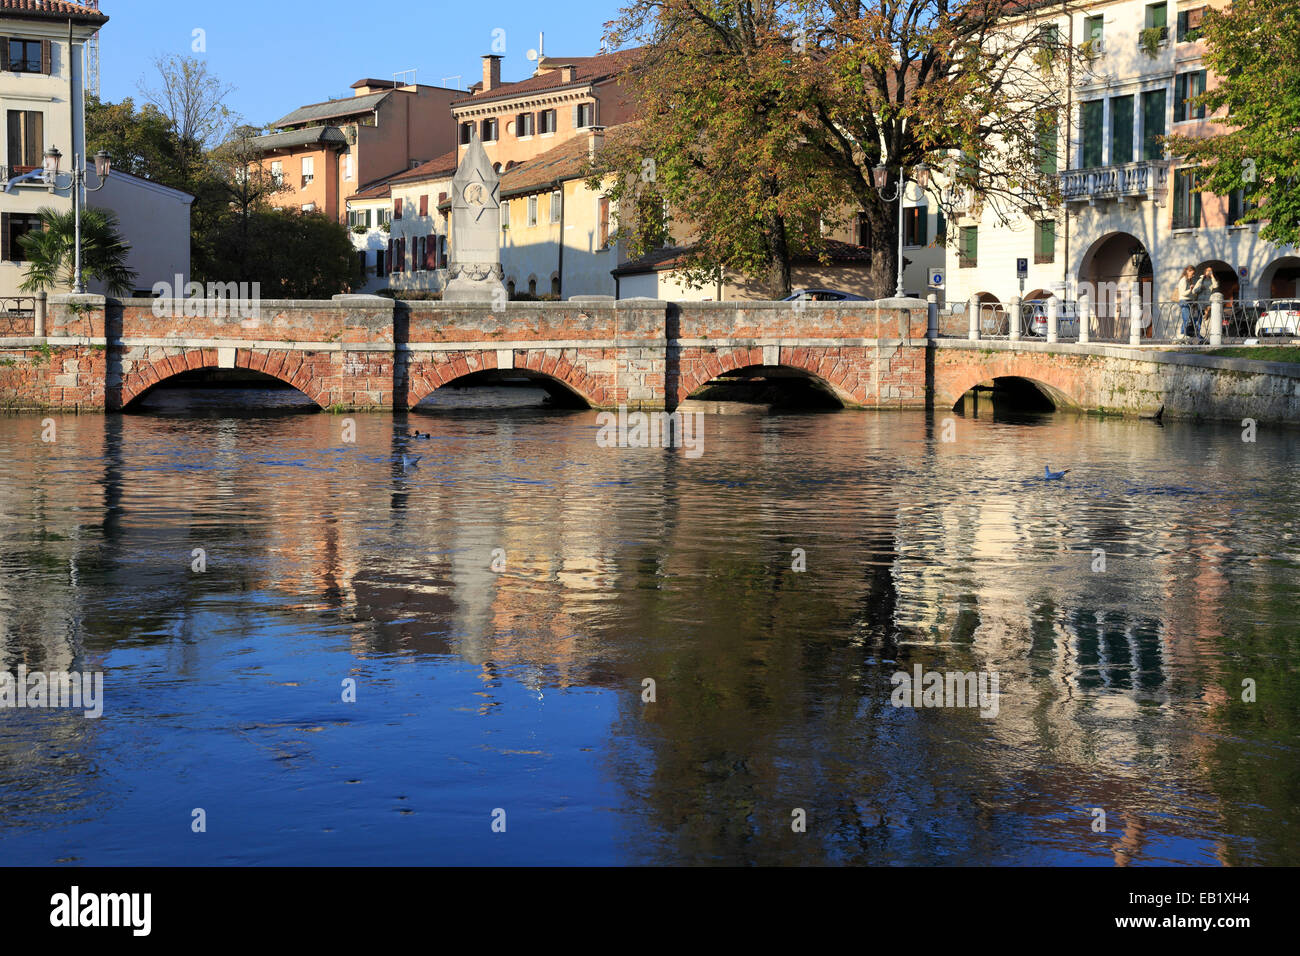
280	55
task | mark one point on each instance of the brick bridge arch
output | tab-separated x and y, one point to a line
846	382
286	365
1062	379
424	377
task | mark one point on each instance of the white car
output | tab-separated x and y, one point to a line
1280	318
1067	319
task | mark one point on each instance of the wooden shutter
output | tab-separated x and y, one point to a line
47	65
575	117
424	205
1195	18
4	236
431	251
604	222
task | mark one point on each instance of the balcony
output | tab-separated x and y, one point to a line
1131	182
8	172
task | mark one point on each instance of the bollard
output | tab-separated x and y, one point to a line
1135	317
42	303
1053	318
1216	318
1013	331
932	316
973	329
1085	318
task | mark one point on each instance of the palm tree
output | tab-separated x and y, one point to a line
51	256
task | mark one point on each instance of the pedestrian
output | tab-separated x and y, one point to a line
1189	290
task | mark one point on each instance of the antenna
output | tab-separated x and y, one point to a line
538	54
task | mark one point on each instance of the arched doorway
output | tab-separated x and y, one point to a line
1113	268
1280	279
992	315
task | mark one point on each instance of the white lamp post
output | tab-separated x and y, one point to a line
77	183
880	179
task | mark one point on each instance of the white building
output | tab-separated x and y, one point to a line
1132	218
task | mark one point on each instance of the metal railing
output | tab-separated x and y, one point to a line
17	315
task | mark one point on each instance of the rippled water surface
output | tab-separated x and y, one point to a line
1119	688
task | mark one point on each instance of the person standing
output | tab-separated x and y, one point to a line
1189	290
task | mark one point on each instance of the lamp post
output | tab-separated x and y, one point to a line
880	179
77	183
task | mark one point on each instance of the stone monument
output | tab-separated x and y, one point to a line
474	273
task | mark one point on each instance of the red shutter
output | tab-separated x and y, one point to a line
604	223
397	209
401	255
47	66
431	251
424	205
442	197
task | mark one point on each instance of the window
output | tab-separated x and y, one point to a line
1188	86
584	114
347	165
532	285
1092	115
1049	34
27	56
968	252
505	214
424	205
532	210
489	133
914	226
361	263
1239	204
555	284
442	252
1153	124
1047	143
1187	201
546	122
940	227
1189	25
1121	130
524	124
26	140
308	170
1044	241
277	172
383	216
1093	27
379	263
13	226
466	133
1158	17
555	205
397	209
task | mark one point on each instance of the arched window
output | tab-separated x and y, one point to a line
532	285
510	288
555	284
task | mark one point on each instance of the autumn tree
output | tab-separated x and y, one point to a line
1254	49
805	98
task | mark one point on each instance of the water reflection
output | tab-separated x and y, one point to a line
1121	683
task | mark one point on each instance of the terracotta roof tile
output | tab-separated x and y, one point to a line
587	69
51	9
440	167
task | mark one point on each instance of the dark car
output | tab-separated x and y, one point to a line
823	295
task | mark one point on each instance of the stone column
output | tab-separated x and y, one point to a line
1053	318
1135	315
1013	324
42	304
1216	318
973	328
1085	318
932	316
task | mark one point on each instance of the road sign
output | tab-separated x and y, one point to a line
1243	272
1022	268
936	278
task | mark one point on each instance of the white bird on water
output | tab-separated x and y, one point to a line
409	462
1049	475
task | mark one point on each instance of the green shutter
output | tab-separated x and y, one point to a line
1153	123
1121	130
1093	119
1047	143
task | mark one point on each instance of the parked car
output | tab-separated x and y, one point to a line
823	295
1280	318
1067	318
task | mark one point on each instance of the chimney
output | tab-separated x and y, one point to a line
568	74
491	72
595	140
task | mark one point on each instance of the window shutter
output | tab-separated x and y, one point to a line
424	205
4	237
923	227
431	251
1195	18
397	209
47	65
575	117
4	54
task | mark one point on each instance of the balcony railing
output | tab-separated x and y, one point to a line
1142	180
15	171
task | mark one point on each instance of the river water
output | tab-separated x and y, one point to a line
236	575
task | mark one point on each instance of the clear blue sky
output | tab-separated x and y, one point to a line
280	55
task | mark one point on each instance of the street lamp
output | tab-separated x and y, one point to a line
880	179
76	183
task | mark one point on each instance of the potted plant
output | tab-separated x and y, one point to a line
1150	39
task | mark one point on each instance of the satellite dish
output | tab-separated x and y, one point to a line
531	54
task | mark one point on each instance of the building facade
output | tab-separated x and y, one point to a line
1132	217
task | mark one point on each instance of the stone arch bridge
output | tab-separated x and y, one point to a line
368	352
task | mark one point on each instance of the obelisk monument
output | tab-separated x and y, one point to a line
474	273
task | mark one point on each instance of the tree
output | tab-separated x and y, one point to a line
823	91
193	99
1254	49
291	254
51	256
142	142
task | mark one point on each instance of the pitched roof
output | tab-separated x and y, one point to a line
51	10
668	258
332	109
567	161
377	190
439	168
587	69
300	137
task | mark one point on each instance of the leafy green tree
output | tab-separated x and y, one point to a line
142	142
1254	48
51	256
292	254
